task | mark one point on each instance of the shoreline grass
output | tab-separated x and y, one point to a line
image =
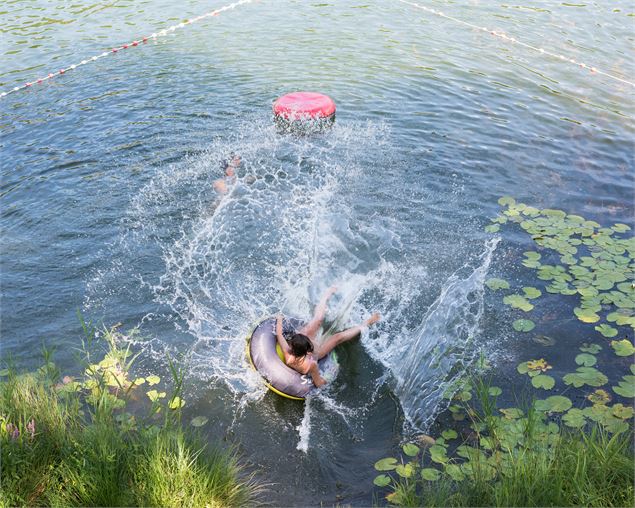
72	443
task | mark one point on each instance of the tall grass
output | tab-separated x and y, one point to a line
547	465
73	444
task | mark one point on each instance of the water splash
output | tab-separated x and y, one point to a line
440	349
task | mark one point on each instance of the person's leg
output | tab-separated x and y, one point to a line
312	327
341	337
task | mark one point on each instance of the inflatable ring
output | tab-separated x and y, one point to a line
267	358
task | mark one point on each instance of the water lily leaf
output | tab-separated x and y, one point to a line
506	201
586	359
591	348
494	391
586	315
622	412
620	228
154	395
199	421
512	413
438	454
387	464
492	228
153	380
606	330
599	396
626	387
623	347
554	213
574	418
531	292
518	302
176	403
405	470
495	284
382	480
554	404
430	474
449	434
532	255
585	375
523	325
454	471
139	381
411	449
543	381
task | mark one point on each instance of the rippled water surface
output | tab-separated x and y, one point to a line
108	205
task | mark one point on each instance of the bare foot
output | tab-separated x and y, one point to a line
373	319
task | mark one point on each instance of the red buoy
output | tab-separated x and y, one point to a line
304	106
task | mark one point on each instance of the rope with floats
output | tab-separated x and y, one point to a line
135	43
504	36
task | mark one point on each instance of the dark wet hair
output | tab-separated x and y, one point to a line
300	345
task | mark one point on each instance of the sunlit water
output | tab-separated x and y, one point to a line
108	206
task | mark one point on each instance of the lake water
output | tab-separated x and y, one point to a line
108	206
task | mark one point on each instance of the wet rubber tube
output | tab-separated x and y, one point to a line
265	357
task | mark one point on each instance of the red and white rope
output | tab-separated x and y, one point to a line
132	44
509	38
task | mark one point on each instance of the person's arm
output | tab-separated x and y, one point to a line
315	375
281	340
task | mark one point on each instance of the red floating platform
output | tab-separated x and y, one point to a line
304	106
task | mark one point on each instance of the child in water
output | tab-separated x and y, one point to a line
231	166
299	351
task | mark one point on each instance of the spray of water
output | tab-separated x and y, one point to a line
293	222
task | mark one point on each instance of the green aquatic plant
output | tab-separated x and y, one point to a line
511	457
596	263
72	441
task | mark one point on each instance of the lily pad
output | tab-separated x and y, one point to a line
586	315
382	480
153	380
554	404
518	302
405	470
574	418
543	381
523	325
492	228
430	474
438	454
199	421
506	201
626	387
623	412
599	396
494	391
586	359
544	340
585	375
623	347
591	348
449	434
454	471
411	449
495	284
387	464
531	292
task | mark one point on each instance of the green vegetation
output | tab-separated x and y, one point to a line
72	442
548	451
514	458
